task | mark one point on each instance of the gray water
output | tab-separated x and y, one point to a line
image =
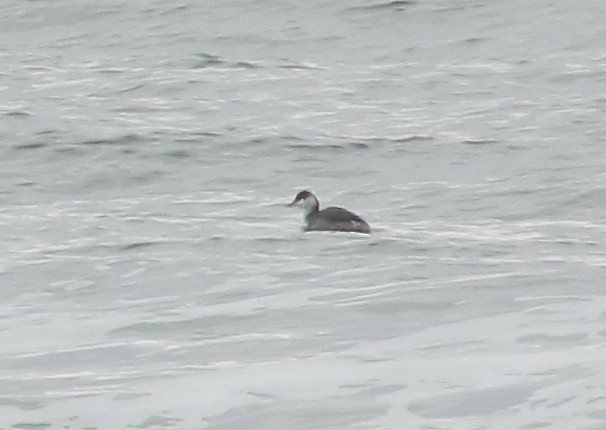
151	276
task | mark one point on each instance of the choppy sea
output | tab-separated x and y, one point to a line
151	276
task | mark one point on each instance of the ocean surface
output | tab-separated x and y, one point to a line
152	277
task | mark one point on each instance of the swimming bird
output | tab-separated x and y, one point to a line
329	219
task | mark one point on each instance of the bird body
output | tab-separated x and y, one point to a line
329	219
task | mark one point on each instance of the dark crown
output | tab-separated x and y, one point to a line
303	195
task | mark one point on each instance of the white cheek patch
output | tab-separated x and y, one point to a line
308	203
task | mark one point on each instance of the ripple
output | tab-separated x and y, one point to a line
126	139
205	60
395	5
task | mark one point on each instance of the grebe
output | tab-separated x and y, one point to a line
329	219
